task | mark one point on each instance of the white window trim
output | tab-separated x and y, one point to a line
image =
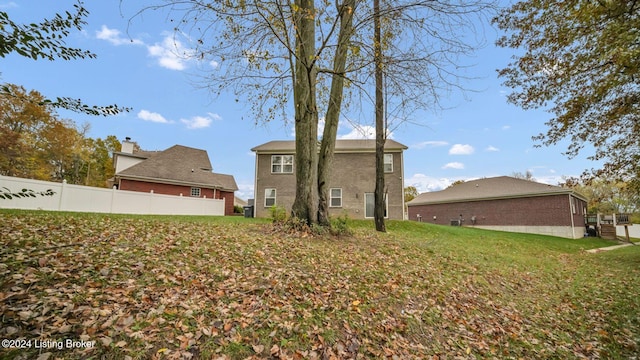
282	164
386	203
195	190
390	155
331	198
275	193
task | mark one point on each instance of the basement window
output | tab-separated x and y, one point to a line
335	197
269	197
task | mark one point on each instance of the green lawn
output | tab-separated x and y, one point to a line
212	287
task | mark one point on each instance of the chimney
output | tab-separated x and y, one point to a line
127	146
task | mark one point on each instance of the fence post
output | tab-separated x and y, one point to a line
113	195
64	182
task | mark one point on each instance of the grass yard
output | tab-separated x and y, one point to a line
177	288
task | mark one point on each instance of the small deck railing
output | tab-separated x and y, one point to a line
591	219
615	219
622	219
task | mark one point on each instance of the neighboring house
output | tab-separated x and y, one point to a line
240	202
179	170
351	184
505	203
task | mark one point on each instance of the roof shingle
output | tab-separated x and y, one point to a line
341	146
180	164
500	187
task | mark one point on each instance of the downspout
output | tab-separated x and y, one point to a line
255	187
573	229
405	216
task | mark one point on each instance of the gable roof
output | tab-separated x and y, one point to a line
501	187
182	165
289	146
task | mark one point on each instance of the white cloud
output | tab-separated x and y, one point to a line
114	37
424	144
506	127
214	116
171	53
454	165
9	5
214	64
245	190
153	117
363	132
426	183
491	148
550	179
200	122
460	149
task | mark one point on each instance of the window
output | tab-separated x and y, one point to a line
335	197
282	164
195	192
388	163
269	197
369	205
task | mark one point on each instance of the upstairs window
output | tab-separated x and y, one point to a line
388	163
282	164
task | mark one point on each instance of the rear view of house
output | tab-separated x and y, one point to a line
351	184
505	203
178	170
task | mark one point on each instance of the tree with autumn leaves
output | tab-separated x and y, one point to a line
581	62
36	143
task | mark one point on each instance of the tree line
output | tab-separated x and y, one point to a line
36	143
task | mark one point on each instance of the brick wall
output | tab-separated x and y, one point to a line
552	210
171	189
354	173
228	197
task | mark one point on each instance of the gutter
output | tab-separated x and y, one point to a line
503	197
172	182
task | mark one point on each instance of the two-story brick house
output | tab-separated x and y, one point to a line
351	184
178	170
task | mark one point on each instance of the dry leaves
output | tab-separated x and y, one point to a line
180	289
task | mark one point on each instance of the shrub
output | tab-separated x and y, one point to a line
278	214
340	225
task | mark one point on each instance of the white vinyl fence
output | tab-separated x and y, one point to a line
634	231
79	198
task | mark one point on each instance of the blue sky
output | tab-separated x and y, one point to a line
479	135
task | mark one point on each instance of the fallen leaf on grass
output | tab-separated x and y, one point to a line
258	349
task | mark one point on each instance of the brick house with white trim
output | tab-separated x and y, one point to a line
178	170
505	203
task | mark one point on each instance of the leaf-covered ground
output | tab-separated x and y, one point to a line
180	288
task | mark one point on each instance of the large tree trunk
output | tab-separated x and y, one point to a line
332	116
379	195
306	113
